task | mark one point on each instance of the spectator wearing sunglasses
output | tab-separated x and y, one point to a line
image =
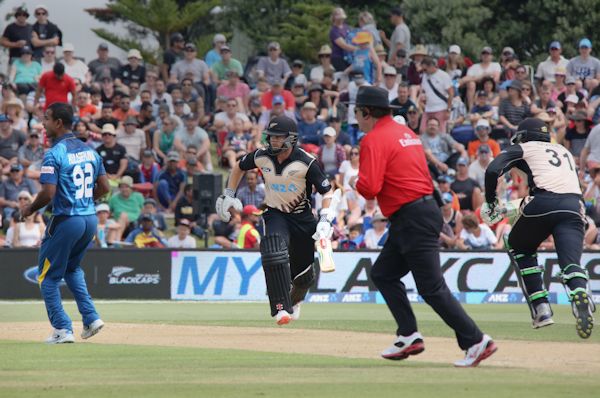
17	34
44	33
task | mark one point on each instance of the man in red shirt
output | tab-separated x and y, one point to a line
394	170
277	89
249	238
56	86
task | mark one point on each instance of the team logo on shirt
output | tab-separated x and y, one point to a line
325	183
266	169
408	140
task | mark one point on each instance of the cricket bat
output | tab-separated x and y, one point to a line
324	250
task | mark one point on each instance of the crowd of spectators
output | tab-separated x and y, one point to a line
155	127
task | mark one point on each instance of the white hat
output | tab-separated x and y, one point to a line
454	49
400	120
300	80
389	70
68	47
330	131
102	207
40	7
573	98
108	128
219	38
134	53
483	123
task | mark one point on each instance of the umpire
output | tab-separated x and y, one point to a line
394	170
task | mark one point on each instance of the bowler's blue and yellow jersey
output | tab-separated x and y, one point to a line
74	168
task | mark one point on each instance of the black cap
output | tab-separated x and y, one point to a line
175	37
281	125
481	93
102	46
375	97
146	217
297	62
26	50
397	11
190	46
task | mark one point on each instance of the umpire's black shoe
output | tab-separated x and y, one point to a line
582	306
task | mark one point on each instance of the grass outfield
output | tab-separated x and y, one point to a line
31	369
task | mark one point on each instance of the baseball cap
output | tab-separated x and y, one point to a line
108	128
147	153
570	80
444	179
396	11
573	98
447	197
68	47
178	101
555	44
255	102
126	180
560	70
102	46
481	93
190	46
176	37
134	53
585	42
16	167
219	37
329	131
298	62
378	216
149	201
551	110
400	120
325	50
462	162
508	50
389	70
454	49
309	105
487	49
484	148
102	207
412	108
273	45
278	100
380	50
146	217
251	210
40	7
300	80
225	48
131	120
173	156
482	123
26	50
185	222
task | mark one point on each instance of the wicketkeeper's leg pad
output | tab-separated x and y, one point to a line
275	261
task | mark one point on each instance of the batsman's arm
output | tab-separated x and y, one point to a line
500	165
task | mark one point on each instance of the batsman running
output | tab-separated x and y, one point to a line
555	208
287	247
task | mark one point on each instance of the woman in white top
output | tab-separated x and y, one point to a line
374	237
28	233
75	68
182	240
349	169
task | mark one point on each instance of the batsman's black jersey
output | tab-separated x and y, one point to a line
549	167
288	186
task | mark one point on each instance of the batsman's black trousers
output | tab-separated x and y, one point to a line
296	230
559	215
413	246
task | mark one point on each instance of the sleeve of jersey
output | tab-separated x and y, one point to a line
247	162
371	171
101	169
498	167
49	170
317	177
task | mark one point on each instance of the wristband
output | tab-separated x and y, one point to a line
229	192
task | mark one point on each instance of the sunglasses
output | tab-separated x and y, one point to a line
34	136
324	56
526	89
41	13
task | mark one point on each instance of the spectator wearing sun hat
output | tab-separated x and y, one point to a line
316	73
134	71
364	58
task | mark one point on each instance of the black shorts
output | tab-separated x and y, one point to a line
296	230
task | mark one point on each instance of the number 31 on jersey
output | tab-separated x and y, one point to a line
83	178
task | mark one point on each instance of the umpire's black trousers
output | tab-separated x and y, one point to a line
413	246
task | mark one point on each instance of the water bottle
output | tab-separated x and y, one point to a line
102	238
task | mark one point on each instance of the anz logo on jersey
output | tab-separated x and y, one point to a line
284	188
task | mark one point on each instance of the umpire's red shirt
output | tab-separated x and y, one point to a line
393	167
